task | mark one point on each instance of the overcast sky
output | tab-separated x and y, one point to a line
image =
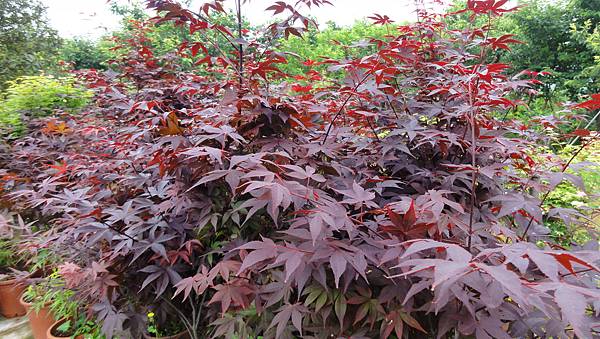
92	18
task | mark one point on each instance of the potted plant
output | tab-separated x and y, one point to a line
64	328
60	302
165	329
72	323
10	287
37	306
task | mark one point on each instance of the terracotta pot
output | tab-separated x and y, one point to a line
10	293
182	335
40	321
54	326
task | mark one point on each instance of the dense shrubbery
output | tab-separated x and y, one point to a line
38	96
245	203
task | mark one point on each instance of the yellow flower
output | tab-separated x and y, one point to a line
151	315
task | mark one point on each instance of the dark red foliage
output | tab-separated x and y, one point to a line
391	203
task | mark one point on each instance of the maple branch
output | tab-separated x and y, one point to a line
240	46
119	231
391	106
214	44
592	120
576	272
343	106
565	167
198	317
182	317
474	137
473	119
370	123
373	129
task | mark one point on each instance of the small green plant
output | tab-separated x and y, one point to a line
41	259
73	327
8	258
38	96
162	330
51	292
152	326
66	327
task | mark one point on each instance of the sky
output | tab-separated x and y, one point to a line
92	18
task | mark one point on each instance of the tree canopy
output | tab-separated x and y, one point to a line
27	42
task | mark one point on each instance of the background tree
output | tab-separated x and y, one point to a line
27	42
333	41
82	53
545	28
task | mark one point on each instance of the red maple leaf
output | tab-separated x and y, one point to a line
61	168
406	225
565	259
381	19
487	6
301	89
502	42
592	104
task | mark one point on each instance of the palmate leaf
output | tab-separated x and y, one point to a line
509	280
186	285
357	196
287	312
236	293
262	250
573	307
161	277
593	103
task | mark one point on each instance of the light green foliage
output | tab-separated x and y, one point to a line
331	42
589	78
166	38
38	96
566	195
537	106
27	42
41	259
590	175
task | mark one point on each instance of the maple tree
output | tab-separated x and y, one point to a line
248	203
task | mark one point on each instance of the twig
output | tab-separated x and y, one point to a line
565	167
586	127
119	231
182	317
576	272
343	106
373	129
240	46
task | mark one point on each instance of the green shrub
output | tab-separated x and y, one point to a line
38	96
